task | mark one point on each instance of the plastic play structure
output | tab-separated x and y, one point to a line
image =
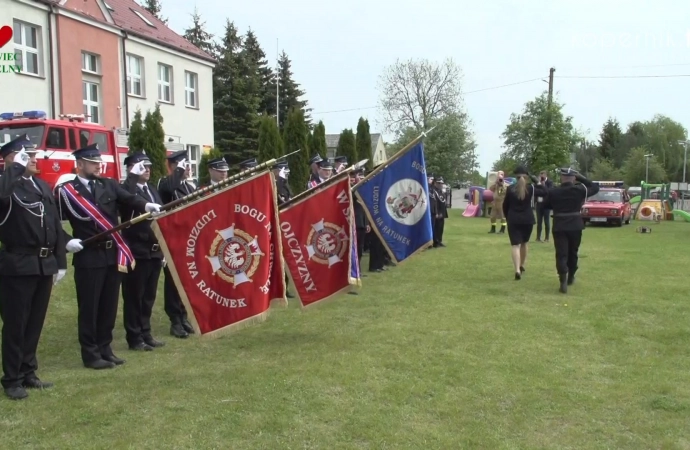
655	209
480	198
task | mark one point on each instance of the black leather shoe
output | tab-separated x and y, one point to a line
571	279
114	359
441	244
564	284
35	383
522	269
177	331
141	347
517	276
16	393
289	295
187	326
99	364
353	293
151	342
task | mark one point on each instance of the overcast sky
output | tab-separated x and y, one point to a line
339	49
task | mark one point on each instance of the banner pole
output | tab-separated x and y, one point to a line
337	177
186	198
393	158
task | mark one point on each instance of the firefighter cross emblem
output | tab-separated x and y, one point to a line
327	243
235	255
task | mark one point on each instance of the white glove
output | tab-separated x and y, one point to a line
74	246
59	276
153	207
22	157
138	168
182	163
164	262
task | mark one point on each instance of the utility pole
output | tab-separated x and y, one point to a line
551	71
277	85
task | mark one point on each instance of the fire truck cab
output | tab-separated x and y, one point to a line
55	141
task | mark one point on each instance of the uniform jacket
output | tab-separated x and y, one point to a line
539	202
566	202
519	212
499	191
174	186
283	190
433	203
314	180
109	197
439	202
140	237
361	220
22	233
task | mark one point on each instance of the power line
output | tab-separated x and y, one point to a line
626	76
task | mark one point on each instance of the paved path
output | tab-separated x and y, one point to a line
459	201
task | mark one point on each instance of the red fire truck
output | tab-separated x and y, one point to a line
55	141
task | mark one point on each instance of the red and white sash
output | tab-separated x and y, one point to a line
124	255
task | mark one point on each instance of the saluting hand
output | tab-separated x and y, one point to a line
138	168
22	157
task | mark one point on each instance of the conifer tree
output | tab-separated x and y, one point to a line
347	146
204	177
256	56
290	92
295	138
319	141
270	142
136	140
154	7
155	143
363	142
198	35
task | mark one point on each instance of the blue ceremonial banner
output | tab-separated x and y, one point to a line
396	200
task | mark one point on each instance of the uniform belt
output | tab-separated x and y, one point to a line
105	244
155	247
41	252
570	214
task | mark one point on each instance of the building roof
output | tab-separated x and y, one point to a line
333	139
127	14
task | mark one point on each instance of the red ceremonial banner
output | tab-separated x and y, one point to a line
316	235
225	254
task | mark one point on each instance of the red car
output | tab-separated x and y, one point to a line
609	205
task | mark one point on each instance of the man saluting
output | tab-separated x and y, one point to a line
566	202
91	205
32	259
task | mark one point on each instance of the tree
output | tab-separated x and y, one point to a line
604	170
318	144
204	177
477	179
585	156
635	168
155	143
363	143
661	139
450	150
256	57
198	36
136	141
236	91
295	138
541	137
609	138
347	146
154	7
270	142
505	163
415	92
290	93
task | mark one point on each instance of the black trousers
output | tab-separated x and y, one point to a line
543	215
439	225
98	292
139	289
361	236
172	301
23	305
567	244
377	257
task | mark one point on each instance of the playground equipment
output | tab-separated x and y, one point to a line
681	215
476	202
655	209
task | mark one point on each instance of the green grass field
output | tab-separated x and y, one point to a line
445	351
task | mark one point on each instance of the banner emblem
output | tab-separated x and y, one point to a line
406	201
235	255
327	243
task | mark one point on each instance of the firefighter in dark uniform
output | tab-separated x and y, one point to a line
140	285
32	260
246	165
281	172
314	179
171	188
566	202
217	170
441	212
378	257
361	222
96	275
339	163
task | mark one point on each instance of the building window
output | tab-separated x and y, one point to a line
193	154
141	16
190	94
90	63
165	83
91	102
134	76
26	46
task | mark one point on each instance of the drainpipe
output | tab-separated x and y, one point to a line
51	14
124	78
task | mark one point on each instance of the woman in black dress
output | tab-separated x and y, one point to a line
517	209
